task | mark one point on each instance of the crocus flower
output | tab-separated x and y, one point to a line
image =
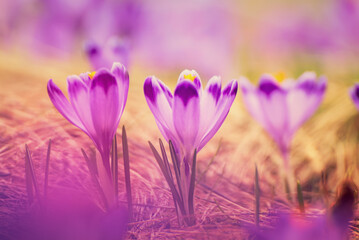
113	50
282	109
97	101
192	115
354	94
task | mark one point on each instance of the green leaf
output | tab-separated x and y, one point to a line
287	189
192	183
91	164
32	172
257	196
176	168
29	185
300	197
47	168
114	167
178	197
126	161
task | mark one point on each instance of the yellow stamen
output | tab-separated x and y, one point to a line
189	77
279	76
91	74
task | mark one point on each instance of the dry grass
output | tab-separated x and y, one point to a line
224	199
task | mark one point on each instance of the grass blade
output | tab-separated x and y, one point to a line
126	161
92	168
114	167
287	189
176	168
257	196
300	197
29	187
32	173
47	168
178	197
165	159
192	183
166	163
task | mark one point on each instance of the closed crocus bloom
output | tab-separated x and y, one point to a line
282	108
97	101
192	115
354	94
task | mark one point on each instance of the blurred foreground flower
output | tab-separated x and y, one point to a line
334	225
189	119
97	101
72	216
281	110
354	94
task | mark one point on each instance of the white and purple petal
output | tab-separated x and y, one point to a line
105	109
62	105
123	82
79	98
208	105
186	113
196	79
252	102
272	99
159	105
225	102
303	100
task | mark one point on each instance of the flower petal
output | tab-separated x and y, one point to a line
159	105
186	113
252	102
62	105
79	97
274	106
105	107
268	85
123	82
191	75
228	95
304	100
209	101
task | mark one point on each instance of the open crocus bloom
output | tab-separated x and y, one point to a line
97	101
282	109
191	116
354	94
103	55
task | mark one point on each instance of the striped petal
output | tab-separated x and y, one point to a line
105	109
209	104
191	75
62	105
186	113
303	100
79	97
159	105
123	82
225	102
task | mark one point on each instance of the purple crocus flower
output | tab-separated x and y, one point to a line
97	101
282	109
104	55
191	116
354	94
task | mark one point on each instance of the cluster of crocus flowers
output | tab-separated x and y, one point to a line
190	117
97	101
282	108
